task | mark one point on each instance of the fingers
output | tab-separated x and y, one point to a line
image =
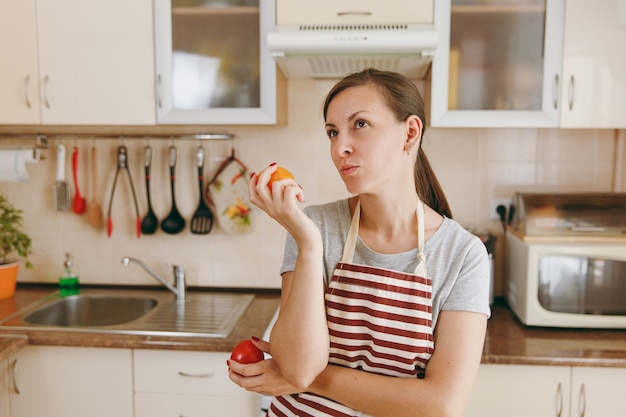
282	190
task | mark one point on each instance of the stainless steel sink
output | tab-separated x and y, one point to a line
148	312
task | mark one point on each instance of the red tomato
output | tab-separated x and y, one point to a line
246	352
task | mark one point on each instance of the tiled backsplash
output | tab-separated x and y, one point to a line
473	165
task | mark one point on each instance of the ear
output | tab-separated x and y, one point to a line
414	127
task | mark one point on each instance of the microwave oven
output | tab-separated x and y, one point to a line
566	260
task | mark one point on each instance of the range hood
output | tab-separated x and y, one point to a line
332	51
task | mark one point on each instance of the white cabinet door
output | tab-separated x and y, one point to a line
57	381
520	391
177	383
598	392
96	61
498	63
19	73
5	408
213	65
594	65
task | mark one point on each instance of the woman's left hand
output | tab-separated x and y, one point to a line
262	377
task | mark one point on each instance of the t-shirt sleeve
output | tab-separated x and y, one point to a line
471	289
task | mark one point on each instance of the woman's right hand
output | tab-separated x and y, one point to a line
281	202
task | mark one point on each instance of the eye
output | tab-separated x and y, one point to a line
331	133
360	123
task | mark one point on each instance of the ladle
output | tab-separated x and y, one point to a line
150	222
174	222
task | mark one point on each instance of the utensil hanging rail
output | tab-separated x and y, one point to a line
41	141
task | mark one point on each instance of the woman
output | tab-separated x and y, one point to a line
396	326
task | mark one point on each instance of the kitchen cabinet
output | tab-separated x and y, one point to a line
531	390
4	389
498	63
169	383
58	381
594	65
213	66
75	62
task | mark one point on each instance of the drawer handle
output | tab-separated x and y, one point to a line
559	400
582	401
200	375
16	387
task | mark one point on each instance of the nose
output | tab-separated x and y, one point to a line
342	146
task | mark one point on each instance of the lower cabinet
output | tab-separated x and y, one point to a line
4	389
183	383
60	381
551	391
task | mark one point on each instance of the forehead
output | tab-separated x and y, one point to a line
358	98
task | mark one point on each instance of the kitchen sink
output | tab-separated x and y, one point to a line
133	311
91	310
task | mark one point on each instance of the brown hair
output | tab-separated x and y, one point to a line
404	100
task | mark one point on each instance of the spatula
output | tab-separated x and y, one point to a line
202	220
61	189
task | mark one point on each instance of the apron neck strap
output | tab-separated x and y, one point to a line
348	249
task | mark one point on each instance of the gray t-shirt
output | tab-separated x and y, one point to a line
456	260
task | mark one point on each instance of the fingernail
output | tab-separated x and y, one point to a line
227	364
251	174
272	164
256	339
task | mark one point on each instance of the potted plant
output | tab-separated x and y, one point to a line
14	245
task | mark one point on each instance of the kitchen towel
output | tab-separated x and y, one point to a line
13	163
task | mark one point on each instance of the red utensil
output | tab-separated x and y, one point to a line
79	204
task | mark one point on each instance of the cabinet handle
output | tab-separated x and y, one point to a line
26	91
159	91
582	401
45	91
16	387
341	14
559	400
570	92
200	375
555	91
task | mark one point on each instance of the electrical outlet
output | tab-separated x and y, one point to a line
493	205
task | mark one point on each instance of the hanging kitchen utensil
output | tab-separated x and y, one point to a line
122	164
79	203
202	220
174	222
228	193
94	208
150	222
61	189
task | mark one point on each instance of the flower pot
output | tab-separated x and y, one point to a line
8	280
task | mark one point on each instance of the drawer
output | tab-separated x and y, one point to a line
162	405
332	12
183	372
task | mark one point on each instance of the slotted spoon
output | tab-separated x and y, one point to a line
202	220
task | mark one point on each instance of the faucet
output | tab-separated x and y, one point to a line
180	288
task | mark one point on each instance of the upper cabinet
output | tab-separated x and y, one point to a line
498	63
594	64
213	65
76	62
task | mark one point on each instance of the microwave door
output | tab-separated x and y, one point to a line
581	285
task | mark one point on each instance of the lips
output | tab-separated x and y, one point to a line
348	170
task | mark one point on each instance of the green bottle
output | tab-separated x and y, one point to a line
68	283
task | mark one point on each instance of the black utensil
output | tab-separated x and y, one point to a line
174	222
150	222
202	220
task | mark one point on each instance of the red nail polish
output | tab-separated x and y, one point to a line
272	164
251	174
256	339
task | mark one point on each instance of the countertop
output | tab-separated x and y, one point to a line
507	341
253	323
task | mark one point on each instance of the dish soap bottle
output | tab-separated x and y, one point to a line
68	283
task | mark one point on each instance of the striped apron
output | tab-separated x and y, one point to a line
379	321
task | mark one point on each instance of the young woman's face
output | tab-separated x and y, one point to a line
366	140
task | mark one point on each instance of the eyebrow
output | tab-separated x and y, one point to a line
350	118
